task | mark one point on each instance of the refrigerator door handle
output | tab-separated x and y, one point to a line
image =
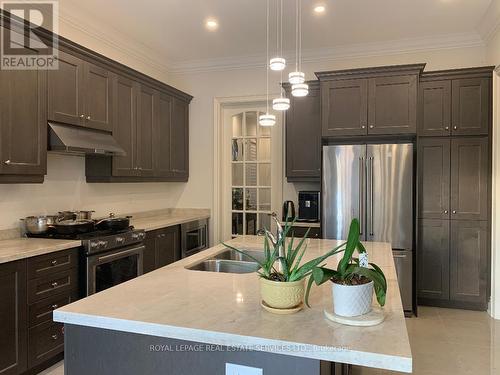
362	219
371	195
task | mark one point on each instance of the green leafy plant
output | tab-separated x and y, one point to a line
349	271
291	268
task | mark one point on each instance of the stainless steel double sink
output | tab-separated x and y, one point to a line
230	261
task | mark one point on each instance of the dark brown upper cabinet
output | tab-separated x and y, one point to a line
13	318
471	103
344	107
179	140
434	259
145	130
163	135
434	108
469	270
303	136
469	178
23	125
80	93
434	178
392	105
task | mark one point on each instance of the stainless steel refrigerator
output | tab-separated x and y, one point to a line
373	183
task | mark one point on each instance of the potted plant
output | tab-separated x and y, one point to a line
354	279
282	278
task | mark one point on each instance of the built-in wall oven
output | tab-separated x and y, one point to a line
194	237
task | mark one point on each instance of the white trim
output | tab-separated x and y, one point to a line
490	22
494	308
392	47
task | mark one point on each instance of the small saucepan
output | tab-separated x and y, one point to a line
39	224
114	223
72	226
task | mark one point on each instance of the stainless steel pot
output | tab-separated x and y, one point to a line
39	224
75	215
84	215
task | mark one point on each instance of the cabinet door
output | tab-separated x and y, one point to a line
163	135
168	246
303	138
65	91
179	140
23	122
98	98
344	107
392	105
124	126
145	130
433	259
13	319
434	108
469	178
471	106
468	261
434	178
149	255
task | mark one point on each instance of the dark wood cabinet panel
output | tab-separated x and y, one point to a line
471	106
45	341
23	122
434	259
344	107
41	312
434	178
48	264
52	284
163	135
435	108
145	132
98	98
392	105
300	232
65	89
469	178
179	141
13	319
149	255
469	274
303	137
162	248
124	126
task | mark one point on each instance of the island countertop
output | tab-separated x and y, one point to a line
224	309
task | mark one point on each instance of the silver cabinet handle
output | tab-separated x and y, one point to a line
82	116
455	127
454	212
446	128
54	337
54	262
371	196
372	126
10	162
55	284
445	211
88	117
54	306
363	126
361	192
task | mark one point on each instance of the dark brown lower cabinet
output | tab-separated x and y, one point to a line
13	320
162	248
299	232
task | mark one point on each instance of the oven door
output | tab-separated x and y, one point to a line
114	267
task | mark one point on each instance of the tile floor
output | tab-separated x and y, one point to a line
443	342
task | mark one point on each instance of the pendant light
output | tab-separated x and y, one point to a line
267	119
281	103
278	63
297	78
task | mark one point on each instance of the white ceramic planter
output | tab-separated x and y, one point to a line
352	300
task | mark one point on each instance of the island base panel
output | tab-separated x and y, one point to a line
100	351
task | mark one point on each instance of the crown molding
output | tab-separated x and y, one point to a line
111	38
489	25
342	52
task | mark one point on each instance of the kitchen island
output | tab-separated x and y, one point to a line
180	321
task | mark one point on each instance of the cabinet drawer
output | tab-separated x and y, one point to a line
41	312
299	232
49	264
44	342
51	285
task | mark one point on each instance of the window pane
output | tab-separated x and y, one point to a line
265	199
237	174
251	223
237	223
265	174
251	149
264	221
265	149
251	174
237	150
238	199
238	125
251	199
251	123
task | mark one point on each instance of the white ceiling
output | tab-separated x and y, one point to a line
173	30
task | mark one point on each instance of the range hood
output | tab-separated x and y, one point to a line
81	141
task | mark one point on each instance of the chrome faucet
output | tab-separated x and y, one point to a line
275	240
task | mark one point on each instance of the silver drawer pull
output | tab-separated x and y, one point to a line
54	337
10	162
54	262
55	284
54	306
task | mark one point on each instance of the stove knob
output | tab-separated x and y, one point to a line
120	240
93	245
135	236
103	243
142	235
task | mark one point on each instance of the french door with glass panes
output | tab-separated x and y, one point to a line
252	159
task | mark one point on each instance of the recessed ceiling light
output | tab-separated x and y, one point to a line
211	24
319	9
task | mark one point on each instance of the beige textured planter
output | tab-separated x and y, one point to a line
282	295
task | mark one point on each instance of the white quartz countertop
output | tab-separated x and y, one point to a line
12	249
224	309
